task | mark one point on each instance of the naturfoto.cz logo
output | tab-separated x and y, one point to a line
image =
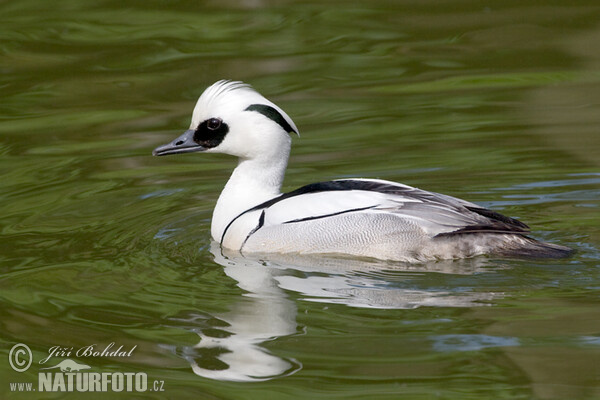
71	376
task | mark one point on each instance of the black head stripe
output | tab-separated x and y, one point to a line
272	114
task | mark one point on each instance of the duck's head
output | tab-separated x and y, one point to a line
232	118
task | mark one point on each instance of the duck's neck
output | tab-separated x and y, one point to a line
252	182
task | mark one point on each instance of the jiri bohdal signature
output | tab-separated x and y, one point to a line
92	350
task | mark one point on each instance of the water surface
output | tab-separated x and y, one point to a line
100	242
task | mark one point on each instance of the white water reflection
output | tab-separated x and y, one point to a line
265	312
371	283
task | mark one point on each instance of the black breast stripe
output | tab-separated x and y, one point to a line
232	221
261	222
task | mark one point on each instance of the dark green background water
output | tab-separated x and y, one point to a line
494	102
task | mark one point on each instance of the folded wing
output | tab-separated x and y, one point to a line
436	214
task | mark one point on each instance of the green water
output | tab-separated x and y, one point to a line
497	103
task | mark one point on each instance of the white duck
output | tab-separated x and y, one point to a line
357	217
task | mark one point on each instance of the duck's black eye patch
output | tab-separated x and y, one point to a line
272	114
211	132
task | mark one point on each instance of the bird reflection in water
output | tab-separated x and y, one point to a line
231	344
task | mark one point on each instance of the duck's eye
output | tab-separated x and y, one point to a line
213	124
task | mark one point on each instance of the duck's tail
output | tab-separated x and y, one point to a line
526	247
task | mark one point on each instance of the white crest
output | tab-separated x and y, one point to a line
225	97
